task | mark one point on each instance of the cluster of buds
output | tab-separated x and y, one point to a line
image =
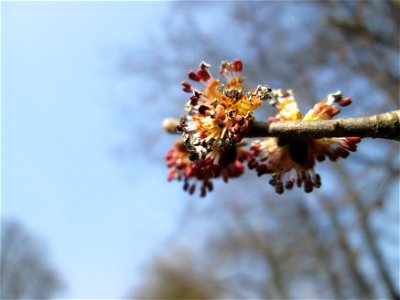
292	161
181	168
219	115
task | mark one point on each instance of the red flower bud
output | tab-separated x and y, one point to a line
193	76
237	65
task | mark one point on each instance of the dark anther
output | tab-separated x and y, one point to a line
279	188
337	96
203	74
234	94
193	156
237	65
214	103
232	113
317	181
308	186
193	76
186	87
204	65
203	109
345	102
240	120
264	92
194	100
289	184
197	93
192	189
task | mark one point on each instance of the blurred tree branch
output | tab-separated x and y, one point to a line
322	253
368	232
350	255
25	270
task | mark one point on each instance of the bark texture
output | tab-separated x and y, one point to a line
386	126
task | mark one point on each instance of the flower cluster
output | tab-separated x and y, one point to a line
219	115
181	168
292	161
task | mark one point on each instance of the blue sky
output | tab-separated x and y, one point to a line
63	117
60	176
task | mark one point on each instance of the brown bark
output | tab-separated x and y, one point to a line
386	126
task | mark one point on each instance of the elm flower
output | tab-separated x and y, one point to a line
218	115
181	168
292	161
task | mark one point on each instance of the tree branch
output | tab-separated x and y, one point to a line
385	126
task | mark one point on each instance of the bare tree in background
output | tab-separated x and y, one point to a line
178	276
25	271
341	241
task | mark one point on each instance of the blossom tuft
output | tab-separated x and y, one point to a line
292	161
202	172
220	114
